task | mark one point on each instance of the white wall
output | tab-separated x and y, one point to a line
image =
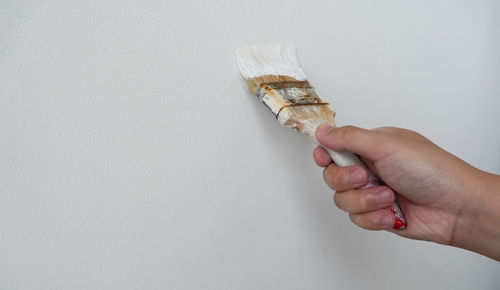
132	157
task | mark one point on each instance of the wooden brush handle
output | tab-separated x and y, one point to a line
348	159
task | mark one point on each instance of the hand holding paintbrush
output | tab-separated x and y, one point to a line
445	200
274	75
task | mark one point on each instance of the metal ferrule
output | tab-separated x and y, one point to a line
279	95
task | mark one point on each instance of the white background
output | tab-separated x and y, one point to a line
132	157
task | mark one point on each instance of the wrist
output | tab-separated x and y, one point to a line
478	223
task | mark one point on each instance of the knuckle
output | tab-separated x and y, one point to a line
364	221
355	219
330	175
363	202
348	131
336	200
406	132
395	131
326	173
386	129
341	178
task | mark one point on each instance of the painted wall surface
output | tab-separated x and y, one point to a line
132	157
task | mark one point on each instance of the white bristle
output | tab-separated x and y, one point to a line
261	60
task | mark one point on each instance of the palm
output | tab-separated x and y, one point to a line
426	222
430	208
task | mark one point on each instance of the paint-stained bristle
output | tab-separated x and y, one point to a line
268	63
296	106
254	83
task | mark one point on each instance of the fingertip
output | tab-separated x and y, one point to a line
345	178
356	176
385	196
321	157
381	219
323	130
386	220
323	134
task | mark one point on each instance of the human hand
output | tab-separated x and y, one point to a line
442	197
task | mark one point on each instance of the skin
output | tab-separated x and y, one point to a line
444	199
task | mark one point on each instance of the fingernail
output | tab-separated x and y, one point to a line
356	176
387	221
324	130
384	197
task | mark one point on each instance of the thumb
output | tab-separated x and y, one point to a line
349	138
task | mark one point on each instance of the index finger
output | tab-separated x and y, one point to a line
321	157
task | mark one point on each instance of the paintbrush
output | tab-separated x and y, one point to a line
273	73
